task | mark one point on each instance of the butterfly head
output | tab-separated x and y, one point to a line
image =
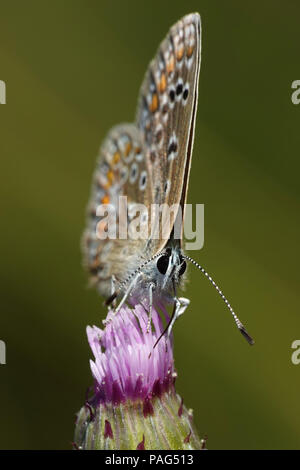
170	266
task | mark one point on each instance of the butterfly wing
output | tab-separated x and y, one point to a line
148	162
121	170
167	111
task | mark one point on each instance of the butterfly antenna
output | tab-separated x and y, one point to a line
131	275
237	321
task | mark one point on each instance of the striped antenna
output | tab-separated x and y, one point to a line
237	321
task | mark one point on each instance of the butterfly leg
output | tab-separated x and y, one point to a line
113	290
129	289
151	287
181	303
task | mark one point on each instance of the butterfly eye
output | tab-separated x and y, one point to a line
162	264
182	268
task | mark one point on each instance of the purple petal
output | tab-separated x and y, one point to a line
126	366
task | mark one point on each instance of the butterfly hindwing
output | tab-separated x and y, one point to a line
121	170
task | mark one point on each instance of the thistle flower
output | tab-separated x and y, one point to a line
134	404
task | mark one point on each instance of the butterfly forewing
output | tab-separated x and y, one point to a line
166	113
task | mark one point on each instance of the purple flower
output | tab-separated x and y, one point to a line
134	405
126	365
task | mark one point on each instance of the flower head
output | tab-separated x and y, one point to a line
126	365
134	405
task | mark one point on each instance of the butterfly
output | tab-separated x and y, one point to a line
149	162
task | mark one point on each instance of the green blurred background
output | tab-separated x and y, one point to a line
73	69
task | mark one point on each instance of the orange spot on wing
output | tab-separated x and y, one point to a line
154	103
127	149
116	158
190	51
162	83
110	176
105	199
179	53
171	65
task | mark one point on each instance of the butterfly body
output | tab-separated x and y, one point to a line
163	274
